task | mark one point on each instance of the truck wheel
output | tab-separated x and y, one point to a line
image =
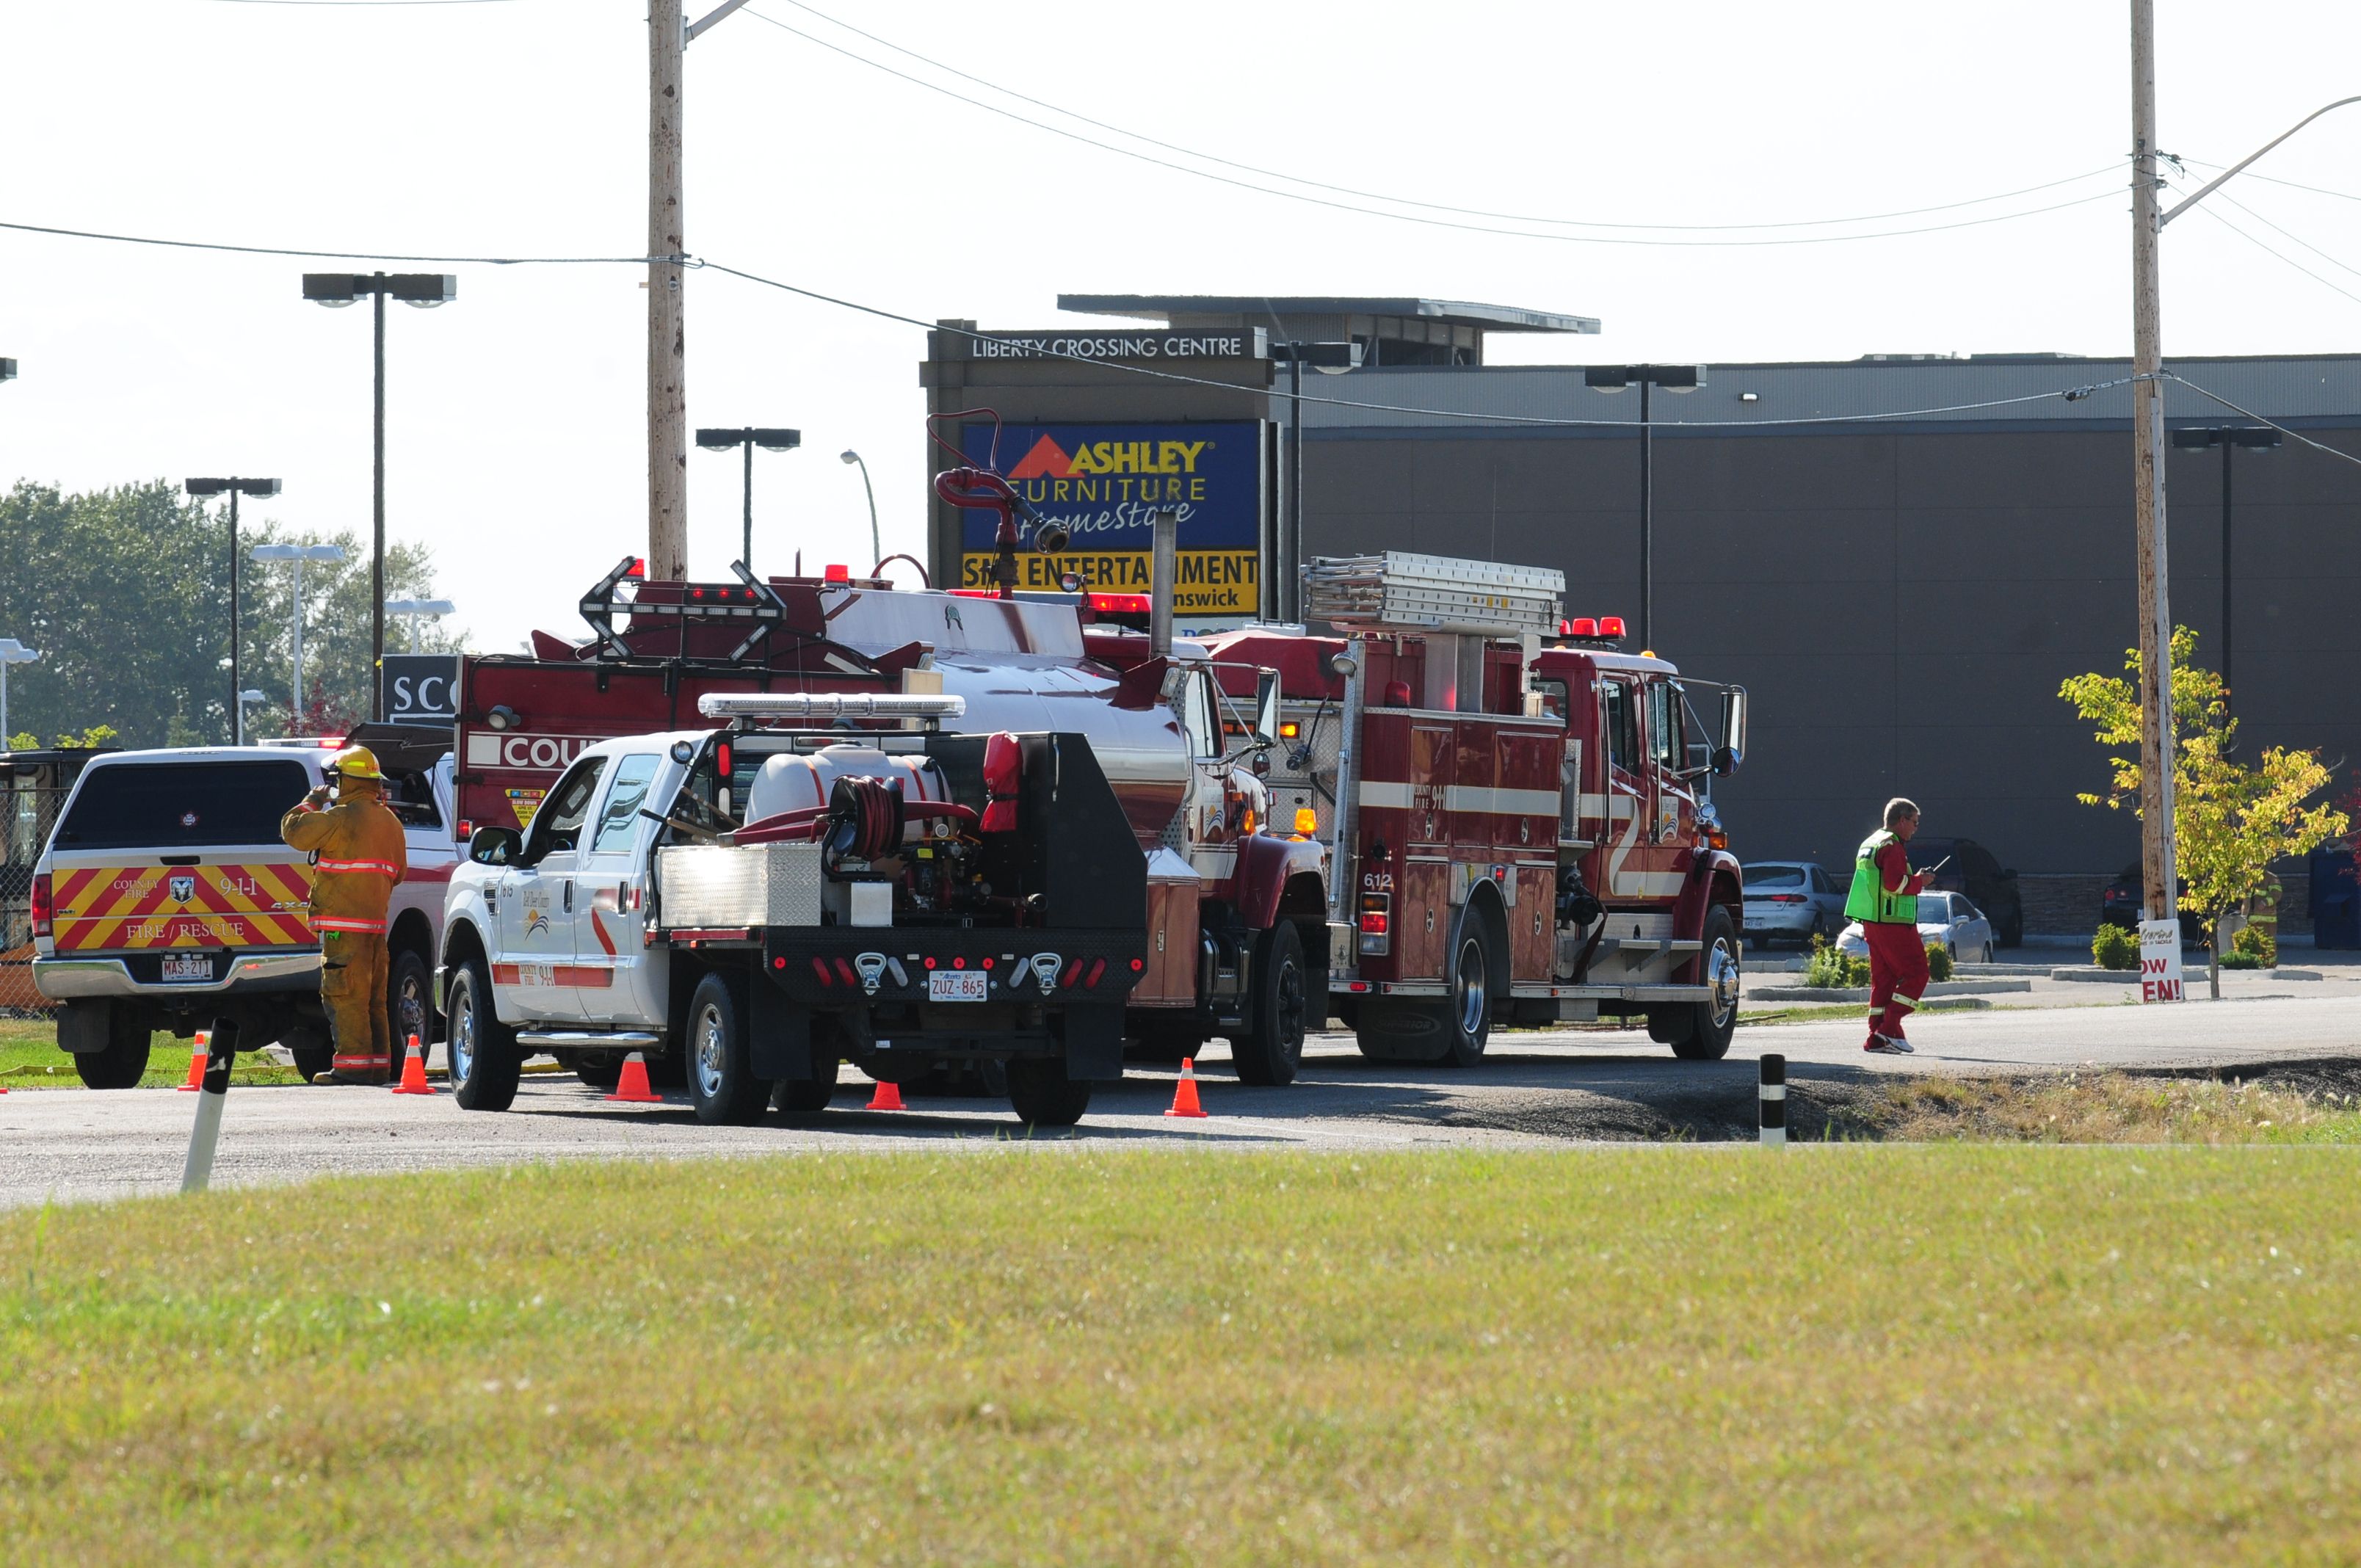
599	1069
802	1100
483	1050
1712	1022
124	1061
1042	1094
410	1004
313	1050
1468	1021
1272	1049
722	1087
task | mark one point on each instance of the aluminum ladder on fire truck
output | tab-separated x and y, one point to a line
1400	591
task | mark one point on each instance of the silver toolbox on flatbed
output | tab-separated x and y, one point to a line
704	886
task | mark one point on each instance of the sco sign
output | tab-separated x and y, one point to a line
534	753
422	688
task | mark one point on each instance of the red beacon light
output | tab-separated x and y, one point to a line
638	570
839	573
1580	626
1120	604
1611	627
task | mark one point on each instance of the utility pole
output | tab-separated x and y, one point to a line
667	358
2158	871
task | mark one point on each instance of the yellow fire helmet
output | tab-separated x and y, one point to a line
354	763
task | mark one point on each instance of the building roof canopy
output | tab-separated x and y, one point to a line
1249	307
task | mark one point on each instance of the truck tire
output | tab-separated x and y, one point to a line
314	1052
1467	1022
409	1004
722	1087
1712	1022
124	1061
802	1100
1270	1052
484	1055
599	1069
1042	1094
1391	1030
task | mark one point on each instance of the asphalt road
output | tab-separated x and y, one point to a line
1534	1090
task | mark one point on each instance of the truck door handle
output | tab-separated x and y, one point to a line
570	898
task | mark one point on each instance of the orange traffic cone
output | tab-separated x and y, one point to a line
1185	1093
633	1086
413	1071
196	1078
888	1096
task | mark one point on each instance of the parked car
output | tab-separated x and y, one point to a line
1976	872
2121	903
1946	920
1789	898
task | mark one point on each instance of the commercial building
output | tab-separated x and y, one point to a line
1903	584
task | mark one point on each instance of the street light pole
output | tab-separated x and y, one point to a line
876	549
1287	556
233	486
11	652
2160	895
1672	378
424	290
2229	438
297	555
750	437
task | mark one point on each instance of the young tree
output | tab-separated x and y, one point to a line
2231	820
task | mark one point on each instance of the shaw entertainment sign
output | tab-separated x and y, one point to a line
1106	482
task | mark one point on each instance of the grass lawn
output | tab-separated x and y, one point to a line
1953	1354
29	1058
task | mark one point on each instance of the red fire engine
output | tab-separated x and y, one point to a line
1526	832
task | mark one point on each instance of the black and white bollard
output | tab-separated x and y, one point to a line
206	1133
1774	1094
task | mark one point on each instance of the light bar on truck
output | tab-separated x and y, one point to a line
830	707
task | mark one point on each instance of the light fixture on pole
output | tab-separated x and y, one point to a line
1287	560
337	289
876	550
297	555
2229	438
11	652
252	696
7	370
750	437
2160	853
1672	378
233	487
410	609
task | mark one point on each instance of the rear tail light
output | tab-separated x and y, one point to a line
43	909
1376	923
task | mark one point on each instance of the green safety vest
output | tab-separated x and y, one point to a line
1869	902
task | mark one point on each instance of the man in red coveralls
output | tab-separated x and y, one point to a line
1884	899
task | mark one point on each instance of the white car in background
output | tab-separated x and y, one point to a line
1946	920
1790	898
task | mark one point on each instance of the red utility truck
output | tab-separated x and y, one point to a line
1526	831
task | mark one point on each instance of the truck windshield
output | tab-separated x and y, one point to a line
143	805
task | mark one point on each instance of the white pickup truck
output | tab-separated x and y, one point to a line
166	899
751	906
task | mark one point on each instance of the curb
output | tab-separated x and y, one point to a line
1861	993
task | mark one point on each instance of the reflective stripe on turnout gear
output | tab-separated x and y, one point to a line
379	867
348	922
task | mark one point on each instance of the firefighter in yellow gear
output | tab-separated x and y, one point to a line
358	855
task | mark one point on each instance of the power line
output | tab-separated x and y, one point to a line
2259	418
2070	394
2267	222
2281	256
2250	174
343	255
1381	195
1404	217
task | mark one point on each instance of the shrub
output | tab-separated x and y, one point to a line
2114	948
1830	971
2234	959
2259	943
1939	961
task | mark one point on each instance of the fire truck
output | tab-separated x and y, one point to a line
1233	927
1519	810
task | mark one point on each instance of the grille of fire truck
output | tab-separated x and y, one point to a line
1401	591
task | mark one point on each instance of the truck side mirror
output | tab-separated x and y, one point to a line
494	845
1732	749
1267	709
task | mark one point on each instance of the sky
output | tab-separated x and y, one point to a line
518	128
